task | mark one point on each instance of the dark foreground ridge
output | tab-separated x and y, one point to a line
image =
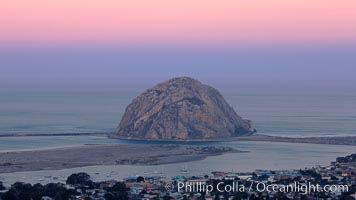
181	109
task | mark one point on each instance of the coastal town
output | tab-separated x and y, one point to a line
335	181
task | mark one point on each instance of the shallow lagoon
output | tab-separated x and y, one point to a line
261	155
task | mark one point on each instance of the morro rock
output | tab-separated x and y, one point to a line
181	109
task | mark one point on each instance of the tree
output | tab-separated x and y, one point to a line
167	197
22	190
2	187
78	179
108	196
253	197
240	195
140	179
9	195
115	196
117	192
57	191
37	191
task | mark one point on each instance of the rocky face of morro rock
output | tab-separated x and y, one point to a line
181	109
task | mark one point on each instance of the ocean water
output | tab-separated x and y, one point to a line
283	113
261	155
47	142
61	112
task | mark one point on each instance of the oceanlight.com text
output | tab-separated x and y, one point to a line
305	188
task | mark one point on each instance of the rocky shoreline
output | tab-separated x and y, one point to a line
120	154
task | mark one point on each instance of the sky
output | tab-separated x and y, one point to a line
135	43
177	21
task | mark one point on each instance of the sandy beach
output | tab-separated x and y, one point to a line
89	155
54	158
342	140
339	140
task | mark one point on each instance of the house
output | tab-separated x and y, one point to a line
353	195
176	195
270	178
326	178
149	196
197	181
136	189
345	173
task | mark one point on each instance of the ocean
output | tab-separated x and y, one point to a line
282	114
